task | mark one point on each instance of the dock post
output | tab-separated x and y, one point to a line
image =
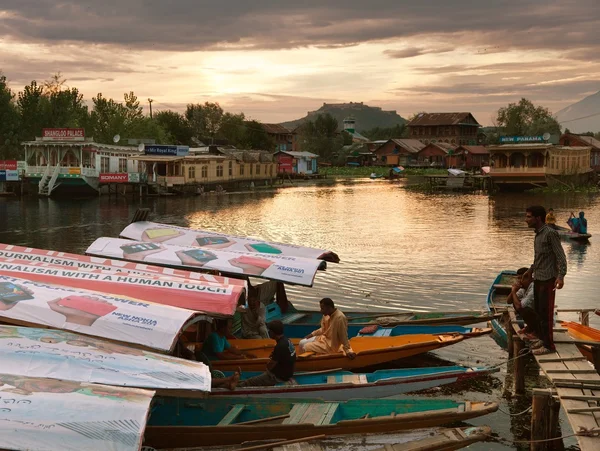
544	421
584	318
519	366
509	334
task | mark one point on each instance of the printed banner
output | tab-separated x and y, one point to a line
205	297
101	315
50	415
293	270
67	356
30	254
162	233
113	178
63	134
10	165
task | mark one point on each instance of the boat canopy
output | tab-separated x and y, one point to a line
118	318
67	356
203	297
288	269
163	233
31	254
68	416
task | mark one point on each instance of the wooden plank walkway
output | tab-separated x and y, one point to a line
576	383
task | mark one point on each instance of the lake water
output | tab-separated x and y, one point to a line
399	250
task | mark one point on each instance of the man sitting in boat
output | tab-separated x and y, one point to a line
254	319
521	296
216	346
282	363
332	337
578	225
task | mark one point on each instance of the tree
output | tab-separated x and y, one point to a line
176	127
9	122
107	119
377	133
526	119
321	137
206	120
33	108
66	109
255	137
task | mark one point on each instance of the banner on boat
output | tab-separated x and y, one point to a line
84	262
67	356
57	415
293	270
101	315
153	232
174	291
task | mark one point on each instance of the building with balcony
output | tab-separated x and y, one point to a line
396	152
451	128
573	140
525	166
469	157
283	138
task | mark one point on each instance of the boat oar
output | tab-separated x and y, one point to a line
309	373
284	442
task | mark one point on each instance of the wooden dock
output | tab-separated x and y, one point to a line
576	384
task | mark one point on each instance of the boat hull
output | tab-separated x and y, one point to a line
496	302
586	333
567	234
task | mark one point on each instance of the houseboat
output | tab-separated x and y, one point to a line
523	166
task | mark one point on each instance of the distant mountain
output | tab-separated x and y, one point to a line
588	109
366	117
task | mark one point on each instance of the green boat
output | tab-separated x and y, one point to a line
178	422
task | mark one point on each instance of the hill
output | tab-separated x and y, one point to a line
367	117
588	109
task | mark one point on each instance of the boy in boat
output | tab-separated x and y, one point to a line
521	296
216	346
282	363
332	337
254	319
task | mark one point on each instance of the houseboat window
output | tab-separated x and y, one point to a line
122	164
270	169
220	170
257	169
204	172
251	168
104	164
192	172
241	169
230	168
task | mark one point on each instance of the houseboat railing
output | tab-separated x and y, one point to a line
522	169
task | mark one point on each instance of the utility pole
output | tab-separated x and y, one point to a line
150	102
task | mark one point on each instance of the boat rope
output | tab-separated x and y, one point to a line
522	353
515	414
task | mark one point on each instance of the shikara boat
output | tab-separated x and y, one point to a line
496	302
181	423
438	439
567	234
344	385
584	333
369	351
302	330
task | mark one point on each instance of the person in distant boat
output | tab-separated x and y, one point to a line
216	346
582	223
254	319
332	337
578	224
282	361
521	296
551	219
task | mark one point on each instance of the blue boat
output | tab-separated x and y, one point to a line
178	422
344	385
496	302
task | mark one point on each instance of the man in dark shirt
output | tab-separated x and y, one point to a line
549	269
280	367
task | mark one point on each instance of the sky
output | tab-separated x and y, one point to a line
275	60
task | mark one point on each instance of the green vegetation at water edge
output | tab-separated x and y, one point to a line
366	171
557	189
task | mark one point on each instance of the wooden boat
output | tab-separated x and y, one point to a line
438	439
584	333
567	234
354	330
181	423
369	351
496	302
344	385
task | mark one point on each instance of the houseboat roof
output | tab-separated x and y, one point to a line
411	145
80	144
169	159
586	138
535	146
429	119
475	150
276	129
442	146
298	154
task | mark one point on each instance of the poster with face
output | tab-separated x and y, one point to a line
38	413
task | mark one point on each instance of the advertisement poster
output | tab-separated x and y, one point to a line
50	415
100	315
152	232
292	270
31	254
199	296
63	355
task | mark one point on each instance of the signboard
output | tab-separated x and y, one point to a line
7	175
74	261
169	151
214	299
101	315
113	178
134	177
163	233
67	356
21	166
50	414
63	134
8	164
522	139
293	270
286	163
74	171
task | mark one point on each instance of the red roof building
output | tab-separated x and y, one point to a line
283	137
450	128
469	157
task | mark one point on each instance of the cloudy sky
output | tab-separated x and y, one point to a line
277	59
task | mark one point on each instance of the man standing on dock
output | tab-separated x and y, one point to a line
549	269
